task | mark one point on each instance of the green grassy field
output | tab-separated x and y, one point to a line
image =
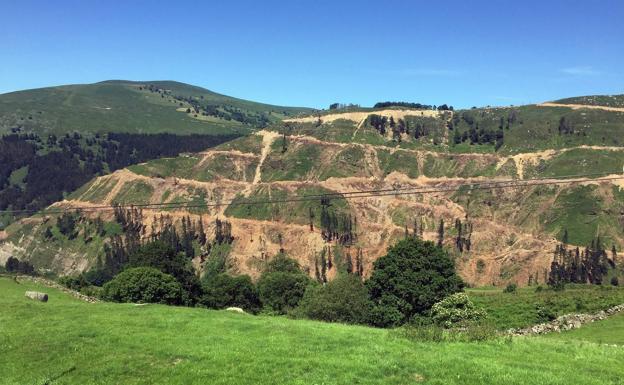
66	341
527	307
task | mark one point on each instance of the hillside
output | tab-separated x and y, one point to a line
616	101
108	343
53	140
497	236
133	107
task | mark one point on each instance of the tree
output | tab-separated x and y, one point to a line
224	290
282	284
409	279
12	265
345	299
146	285
281	292
163	257
441	233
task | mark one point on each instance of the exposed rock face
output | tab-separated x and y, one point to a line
566	322
508	233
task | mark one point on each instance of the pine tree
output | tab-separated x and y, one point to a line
202	233
323	267
349	262
441	233
317	273
329	258
359	263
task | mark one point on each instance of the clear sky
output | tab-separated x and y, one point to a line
313	53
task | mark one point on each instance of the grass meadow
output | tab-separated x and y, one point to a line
66	341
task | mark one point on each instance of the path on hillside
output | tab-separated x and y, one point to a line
581	106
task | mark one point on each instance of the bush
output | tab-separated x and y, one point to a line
407	281
545	313
539	289
345	299
280	291
145	285
476	332
456	309
224	290
163	257
14	265
557	286
283	264
615	281
74	282
511	288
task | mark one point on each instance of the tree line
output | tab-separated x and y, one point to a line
418	106
59	165
588	266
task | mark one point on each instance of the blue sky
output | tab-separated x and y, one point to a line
313	53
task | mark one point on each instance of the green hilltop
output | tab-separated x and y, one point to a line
134	107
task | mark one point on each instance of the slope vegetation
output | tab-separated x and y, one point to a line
497	236
133	107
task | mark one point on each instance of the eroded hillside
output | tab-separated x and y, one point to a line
496	235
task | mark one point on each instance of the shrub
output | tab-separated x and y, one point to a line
539	289
408	280
511	288
282	263
144	284
615	281
11	265
280	291
14	265
476	332
74	282
456	309
557	286
545	313
163	257
345	299
224	290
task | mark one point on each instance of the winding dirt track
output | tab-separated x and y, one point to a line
582	106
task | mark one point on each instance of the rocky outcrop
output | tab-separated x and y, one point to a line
566	322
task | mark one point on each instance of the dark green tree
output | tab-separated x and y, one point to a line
409	279
145	284
282	285
441	233
344	299
224	290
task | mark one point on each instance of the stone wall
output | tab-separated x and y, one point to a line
566	322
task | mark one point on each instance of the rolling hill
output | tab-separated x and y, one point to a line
134	107
496	236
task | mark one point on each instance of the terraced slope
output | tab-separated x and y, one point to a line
512	232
